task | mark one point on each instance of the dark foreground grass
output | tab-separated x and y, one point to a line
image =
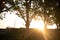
28	34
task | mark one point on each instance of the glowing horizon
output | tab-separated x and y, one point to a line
13	21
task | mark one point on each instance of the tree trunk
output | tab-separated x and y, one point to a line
27	13
27	17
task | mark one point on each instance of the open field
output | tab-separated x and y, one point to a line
29	34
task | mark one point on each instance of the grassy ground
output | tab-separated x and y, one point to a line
29	34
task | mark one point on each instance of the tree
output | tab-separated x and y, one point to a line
30	8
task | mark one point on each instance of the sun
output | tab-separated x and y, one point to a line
37	23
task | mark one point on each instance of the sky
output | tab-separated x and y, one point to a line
12	21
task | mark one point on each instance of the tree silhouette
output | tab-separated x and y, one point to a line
30	8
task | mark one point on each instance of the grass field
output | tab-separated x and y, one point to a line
29	34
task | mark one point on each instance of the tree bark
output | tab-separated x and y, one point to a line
27	13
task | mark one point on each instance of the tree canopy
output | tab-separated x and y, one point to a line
28	9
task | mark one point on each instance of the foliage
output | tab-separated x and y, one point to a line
30	8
